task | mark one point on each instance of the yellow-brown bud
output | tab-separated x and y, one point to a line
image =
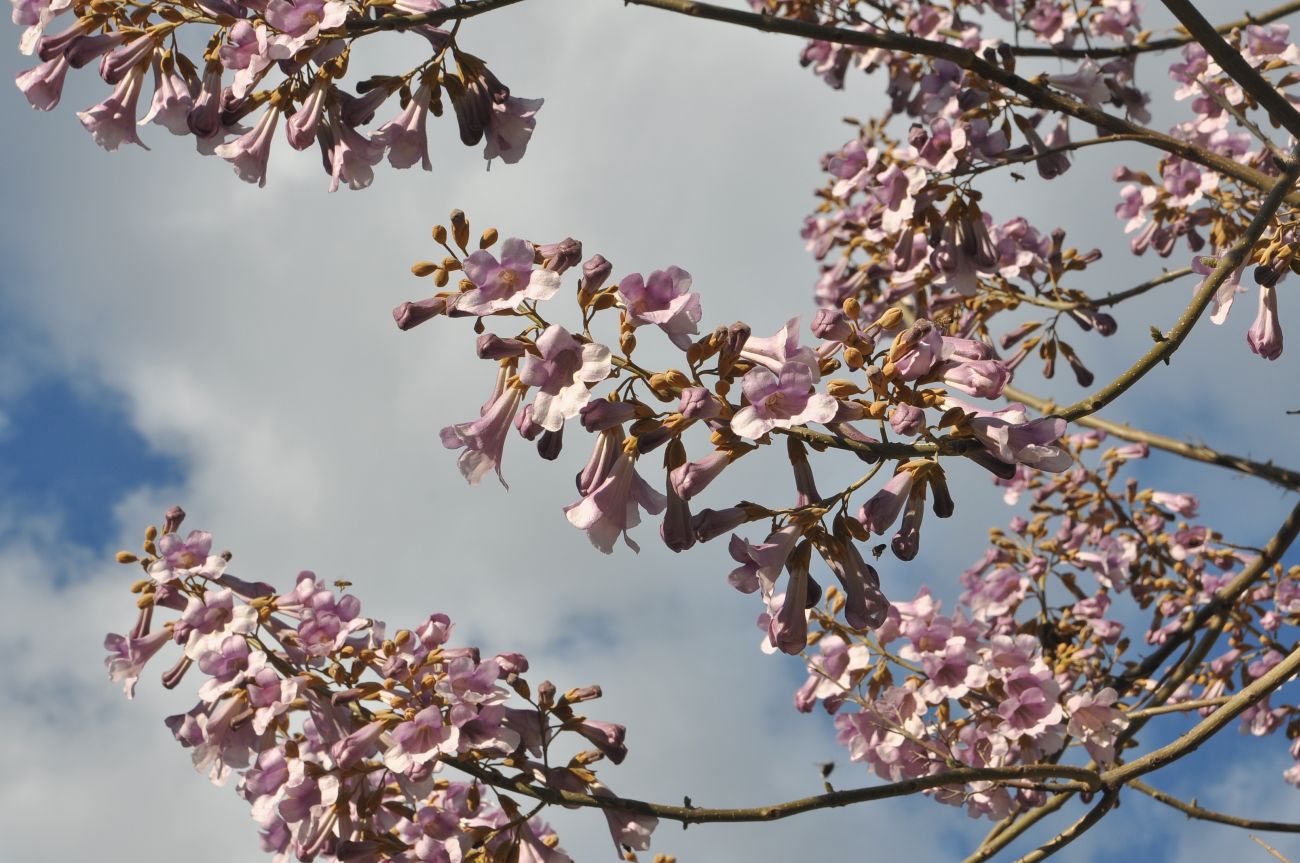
460	228
126	557
421	269
440	277
439	234
488	239
891	319
150	533
450	264
852	308
853	358
842	389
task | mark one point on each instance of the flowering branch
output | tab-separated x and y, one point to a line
1284	477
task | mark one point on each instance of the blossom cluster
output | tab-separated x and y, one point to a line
904	375
338	733
900	205
1033	659
284	57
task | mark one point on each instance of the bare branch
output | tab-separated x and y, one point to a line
1191	810
460	11
1077	778
1075	830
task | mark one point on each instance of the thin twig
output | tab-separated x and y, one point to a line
1191	810
1075	830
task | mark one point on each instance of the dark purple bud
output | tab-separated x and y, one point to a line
172	520
712	523
601	414
594	274
652	440
907	420
917	136
607	737
49	47
358	111
204	118
124	58
410	315
676	530
550	444
907	542
83	49
561	256
524	424
698	404
831	325
492	347
737	335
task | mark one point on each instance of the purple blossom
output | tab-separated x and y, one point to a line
509	128
505	284
665	300
112	122
1265	334
484	439
781	402
563	375
405	135
420	741
613	507
250	152
760	565
43	85
691	478
773	352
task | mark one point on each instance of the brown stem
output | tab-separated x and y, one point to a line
1079	777
1231	61
1284	477
994	843
1075	830
1191	810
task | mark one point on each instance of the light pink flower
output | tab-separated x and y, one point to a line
665	300
614	506
781	402
507	283
563	375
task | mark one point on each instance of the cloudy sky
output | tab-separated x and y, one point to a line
170	335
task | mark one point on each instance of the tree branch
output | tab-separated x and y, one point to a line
460	11
969	60
1191	810
1284	477
1080	778
1231	61
1208	727
1075	830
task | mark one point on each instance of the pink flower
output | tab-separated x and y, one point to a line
300	21
405	135
172	101
484	439
666	300
509	128
775	351
43	85
420	741
505	284
112	122
1265	334
250	152
916	350
1011	437
1095	721
352	156
562	375
614	506
781	402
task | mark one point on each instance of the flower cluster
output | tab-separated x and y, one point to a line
339	734
549	377
308	43
1032	660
